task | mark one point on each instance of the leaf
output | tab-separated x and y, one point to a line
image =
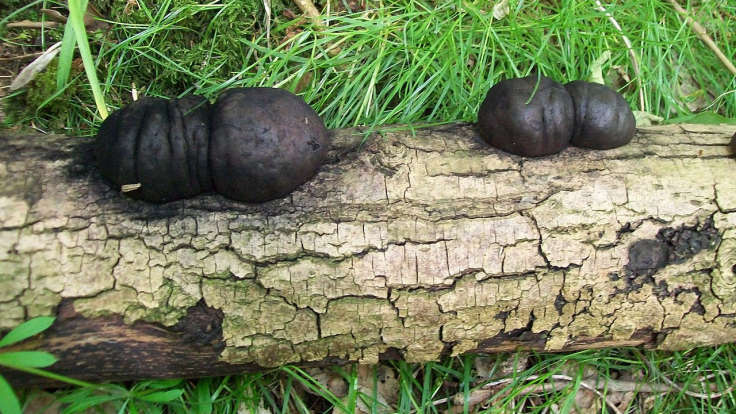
27	329
89	402
9	403
203	397
162	396
567	406
64	68
646	119
34	68
501	9
34	359
596	69
164	383
706	117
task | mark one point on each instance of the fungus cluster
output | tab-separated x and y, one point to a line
252	144
534	116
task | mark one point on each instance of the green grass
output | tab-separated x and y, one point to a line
401	61
437	387
398	62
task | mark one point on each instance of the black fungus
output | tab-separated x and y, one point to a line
153	145
603	119
265	143
531	116
253	144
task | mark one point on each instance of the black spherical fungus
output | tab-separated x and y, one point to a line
265	143
603	119
531	116
253	144
536	116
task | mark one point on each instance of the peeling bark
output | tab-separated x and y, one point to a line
417	244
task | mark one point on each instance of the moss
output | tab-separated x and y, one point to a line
205	42
40	101
187	41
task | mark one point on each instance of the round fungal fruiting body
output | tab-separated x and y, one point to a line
158	147
253	144
265	143
603	119
529	116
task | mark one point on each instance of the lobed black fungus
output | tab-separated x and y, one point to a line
265	143
254	144
534	116
160	146
528	116
603	119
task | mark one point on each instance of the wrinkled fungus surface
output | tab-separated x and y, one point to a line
253	144
158	144
603	119
528	116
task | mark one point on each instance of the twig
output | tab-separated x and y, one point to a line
679	388
307	7
703	35
20	57
309	10
267	7
627	42
488	391
27	24
54	15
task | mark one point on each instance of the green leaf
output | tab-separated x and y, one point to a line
161	384
33	359
706	117
68	42
89	402
596	69
162	396
27	329
9	403
569	402
203	396
76	19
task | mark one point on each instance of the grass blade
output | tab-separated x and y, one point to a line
76	19
162	396
68	42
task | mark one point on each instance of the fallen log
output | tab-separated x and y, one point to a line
409	243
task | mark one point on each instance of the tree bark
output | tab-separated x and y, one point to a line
414	244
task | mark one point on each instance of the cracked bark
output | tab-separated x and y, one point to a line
416	244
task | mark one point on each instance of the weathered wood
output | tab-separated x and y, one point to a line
416	244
